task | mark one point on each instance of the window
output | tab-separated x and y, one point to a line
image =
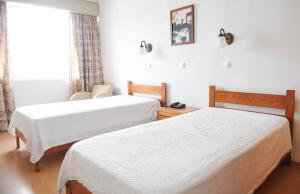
38	42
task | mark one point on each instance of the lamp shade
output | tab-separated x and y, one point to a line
142	50
221	42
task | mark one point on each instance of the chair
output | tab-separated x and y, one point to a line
98	91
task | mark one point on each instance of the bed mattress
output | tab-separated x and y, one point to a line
49	125
207	151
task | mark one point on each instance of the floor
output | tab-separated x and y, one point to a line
18	177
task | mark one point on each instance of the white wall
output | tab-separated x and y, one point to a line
265	55
29	92
79	6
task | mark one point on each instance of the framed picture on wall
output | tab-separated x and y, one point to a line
182	25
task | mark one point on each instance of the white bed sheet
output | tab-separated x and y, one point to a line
211	151
49	125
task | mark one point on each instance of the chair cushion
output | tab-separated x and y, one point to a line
81	96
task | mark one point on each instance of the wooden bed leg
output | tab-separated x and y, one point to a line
288	160
68	188
37	166
74	187
17	142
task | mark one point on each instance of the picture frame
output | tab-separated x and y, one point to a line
182	25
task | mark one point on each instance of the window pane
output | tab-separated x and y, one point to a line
38	42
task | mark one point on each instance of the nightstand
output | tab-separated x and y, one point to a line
167	112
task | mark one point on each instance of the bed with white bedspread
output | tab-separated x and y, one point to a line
207	151
49	125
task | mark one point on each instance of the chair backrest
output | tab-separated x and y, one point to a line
102	90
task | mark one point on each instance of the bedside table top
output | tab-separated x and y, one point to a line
175	110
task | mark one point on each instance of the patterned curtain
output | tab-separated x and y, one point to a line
6	97
86	65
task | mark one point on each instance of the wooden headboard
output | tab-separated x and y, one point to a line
151	90
285	102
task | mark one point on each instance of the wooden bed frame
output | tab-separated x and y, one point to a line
132	89
285	102
151	90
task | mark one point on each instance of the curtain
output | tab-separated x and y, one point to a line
86	66
6	97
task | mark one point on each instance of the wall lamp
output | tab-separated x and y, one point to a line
224	39
145	47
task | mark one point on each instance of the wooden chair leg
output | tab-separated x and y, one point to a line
37	166
17	142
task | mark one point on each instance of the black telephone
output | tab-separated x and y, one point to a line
177	105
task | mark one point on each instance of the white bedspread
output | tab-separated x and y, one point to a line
211	151
49	125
